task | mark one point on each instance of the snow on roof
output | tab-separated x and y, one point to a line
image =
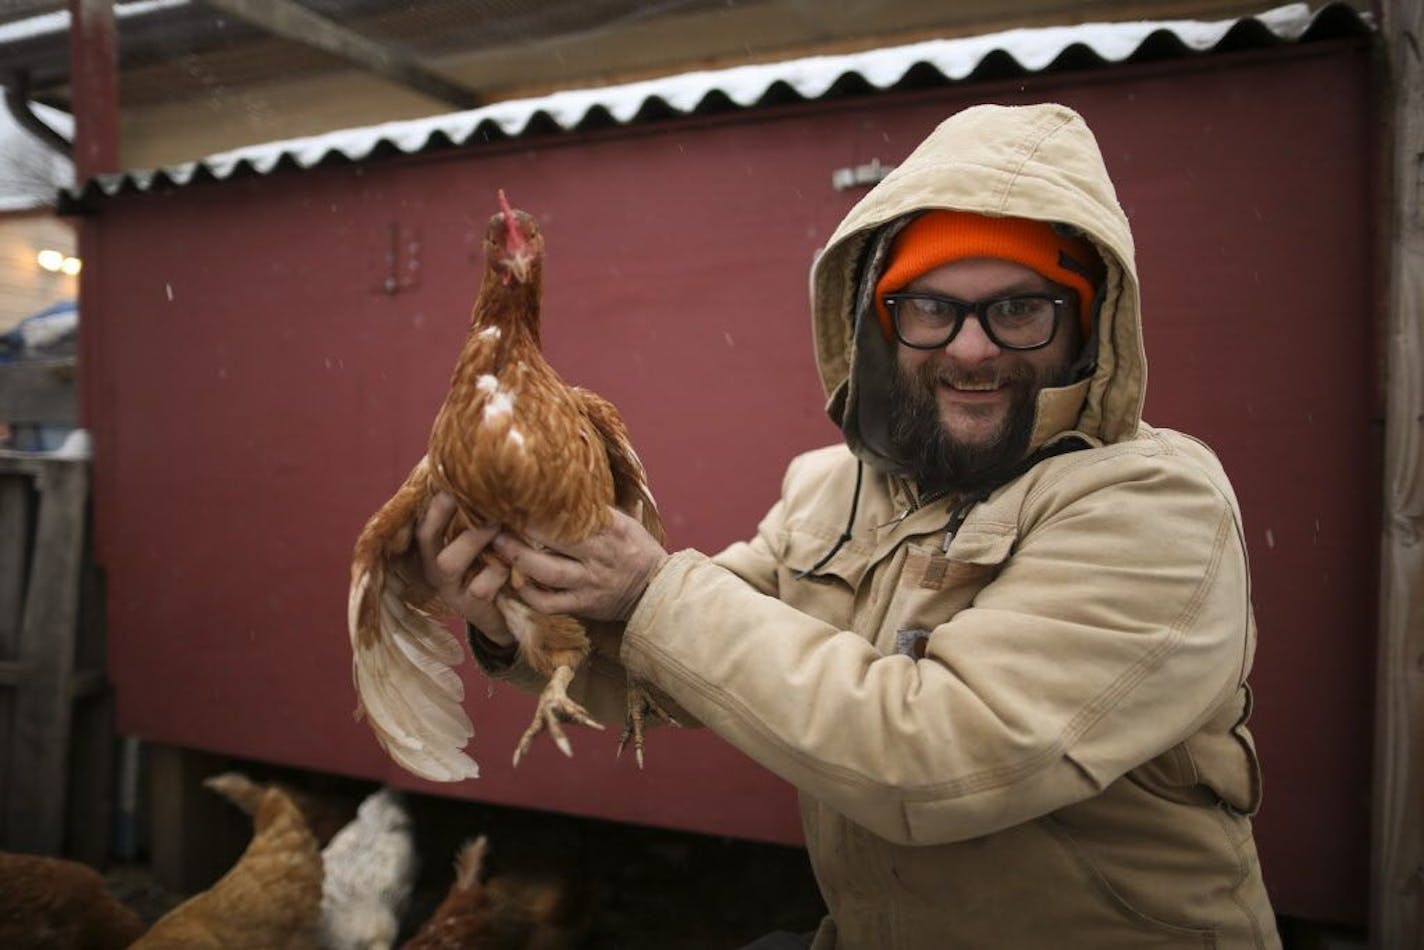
58	21
745	86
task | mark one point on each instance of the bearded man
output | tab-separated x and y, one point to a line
999	639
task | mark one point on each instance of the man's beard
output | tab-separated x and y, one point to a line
938	462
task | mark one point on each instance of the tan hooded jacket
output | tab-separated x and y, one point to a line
1029	731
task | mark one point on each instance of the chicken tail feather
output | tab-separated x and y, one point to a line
238	789
470	862
407	688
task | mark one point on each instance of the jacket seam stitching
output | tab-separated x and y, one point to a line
1076	852
1075	462
1080	722
1244	874
1030	149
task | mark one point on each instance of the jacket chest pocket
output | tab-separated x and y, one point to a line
935	584
828	592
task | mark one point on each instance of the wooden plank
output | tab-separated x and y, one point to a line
84	684
89	820
1397	875
39	745
93	752
294	22
39	392
14	529
14	518
20	463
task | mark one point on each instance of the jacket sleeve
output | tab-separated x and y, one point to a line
755	561
1115	629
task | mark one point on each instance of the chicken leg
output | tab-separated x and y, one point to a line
555	707
641	706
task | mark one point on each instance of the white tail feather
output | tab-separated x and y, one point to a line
403	673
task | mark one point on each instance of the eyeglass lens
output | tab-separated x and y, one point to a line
929	321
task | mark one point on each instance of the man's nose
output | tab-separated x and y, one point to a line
971	344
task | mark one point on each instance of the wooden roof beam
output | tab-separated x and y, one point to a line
291	21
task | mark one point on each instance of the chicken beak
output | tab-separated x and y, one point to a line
517	259
517	265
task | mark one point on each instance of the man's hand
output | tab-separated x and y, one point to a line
447	569
600	578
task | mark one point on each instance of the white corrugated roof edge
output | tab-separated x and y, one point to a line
745	86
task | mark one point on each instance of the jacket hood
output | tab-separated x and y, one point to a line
1038	162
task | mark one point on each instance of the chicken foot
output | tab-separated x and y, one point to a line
555	707
641	707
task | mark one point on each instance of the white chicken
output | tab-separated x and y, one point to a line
370	867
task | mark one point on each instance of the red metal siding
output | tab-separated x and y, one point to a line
258	395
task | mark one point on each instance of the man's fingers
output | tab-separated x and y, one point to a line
550	601
432	526
488	581
596	545
538	536
545	567
455	558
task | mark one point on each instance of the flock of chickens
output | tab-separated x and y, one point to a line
300	885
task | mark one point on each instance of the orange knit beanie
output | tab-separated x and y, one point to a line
938	237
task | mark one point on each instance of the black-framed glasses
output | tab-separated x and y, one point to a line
1015	322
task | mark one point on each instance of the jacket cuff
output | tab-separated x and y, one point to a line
635	634
496	660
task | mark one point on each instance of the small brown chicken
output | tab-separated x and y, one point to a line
54	904
269	900
506	913
464	917
515	445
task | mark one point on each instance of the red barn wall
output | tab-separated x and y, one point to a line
256	394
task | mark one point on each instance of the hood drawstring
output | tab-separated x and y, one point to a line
960	511
845	535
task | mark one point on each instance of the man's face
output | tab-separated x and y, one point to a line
964	411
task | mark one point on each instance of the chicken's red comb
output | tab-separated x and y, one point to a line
515	238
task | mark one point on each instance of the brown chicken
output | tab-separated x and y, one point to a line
506	913
54	904
269	900
465	916
517	446
325	815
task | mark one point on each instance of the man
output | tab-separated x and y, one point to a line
999	640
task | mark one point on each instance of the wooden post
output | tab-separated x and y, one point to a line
1397	875
94	87
39	741
94	101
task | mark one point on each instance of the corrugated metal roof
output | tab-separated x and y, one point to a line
745	87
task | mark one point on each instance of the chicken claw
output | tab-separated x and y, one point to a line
555	707
641	705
